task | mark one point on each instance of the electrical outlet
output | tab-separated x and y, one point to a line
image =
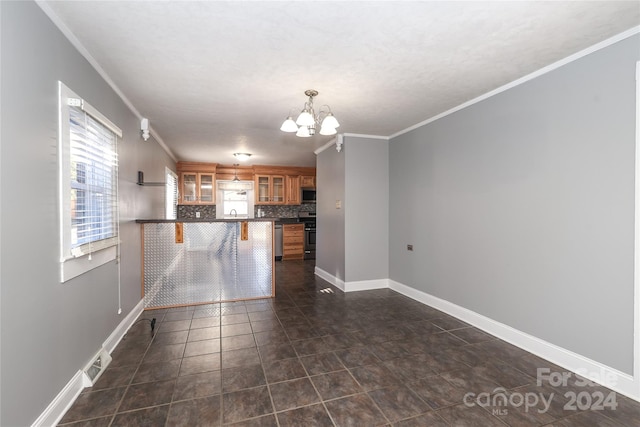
410	247
197	214
338	204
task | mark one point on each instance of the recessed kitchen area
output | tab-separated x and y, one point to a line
233	222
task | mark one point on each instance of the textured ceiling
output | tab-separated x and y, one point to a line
216	78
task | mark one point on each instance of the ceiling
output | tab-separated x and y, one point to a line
215	77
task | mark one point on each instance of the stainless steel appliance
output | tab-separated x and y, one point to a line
278	241
309	220
308	195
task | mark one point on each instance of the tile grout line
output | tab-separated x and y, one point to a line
128	386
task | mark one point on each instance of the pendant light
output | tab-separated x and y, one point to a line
235	173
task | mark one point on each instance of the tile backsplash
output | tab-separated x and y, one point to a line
270	211
189	211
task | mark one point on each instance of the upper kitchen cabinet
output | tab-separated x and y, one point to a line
273	185
293	190
308	181
196	183
270	189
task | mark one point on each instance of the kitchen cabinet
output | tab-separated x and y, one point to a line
308	181
197	188
196	184
270	189
292	241
293	190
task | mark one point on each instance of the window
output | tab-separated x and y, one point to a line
88	163
234	199
171	194
235	203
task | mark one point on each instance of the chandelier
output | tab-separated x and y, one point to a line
305	125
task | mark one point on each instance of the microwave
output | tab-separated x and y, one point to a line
308	195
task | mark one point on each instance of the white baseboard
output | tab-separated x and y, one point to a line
62	402
119	332
620	382
338	283
68	395
361	285
366	285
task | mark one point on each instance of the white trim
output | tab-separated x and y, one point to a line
361	135
366	285
338	283
116	336
325	146
350	135
81	259
360	285
74	267
93	112
618	381
636	272
85	53
538	73
68	395
62	402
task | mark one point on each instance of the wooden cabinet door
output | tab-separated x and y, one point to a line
270	189
206	188
307	181
263	191
277	189
189	188
197	188
293	190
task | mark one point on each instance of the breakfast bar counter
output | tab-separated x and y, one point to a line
189	262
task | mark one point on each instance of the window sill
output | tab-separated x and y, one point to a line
75	267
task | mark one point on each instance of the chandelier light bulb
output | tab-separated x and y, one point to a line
305	118
289	125
330	121
326	130
303	132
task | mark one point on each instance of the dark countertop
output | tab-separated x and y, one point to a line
186	220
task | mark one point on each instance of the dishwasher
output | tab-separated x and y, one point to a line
278	241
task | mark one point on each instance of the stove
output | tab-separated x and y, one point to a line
309	220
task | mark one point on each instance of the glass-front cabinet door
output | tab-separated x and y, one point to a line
189	186
278	189
206	188
197	188
263	195
270	189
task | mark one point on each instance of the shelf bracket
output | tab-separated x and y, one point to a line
148	184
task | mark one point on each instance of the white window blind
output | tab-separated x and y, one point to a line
88	186
171	194
94	182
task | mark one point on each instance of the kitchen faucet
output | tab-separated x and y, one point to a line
233	212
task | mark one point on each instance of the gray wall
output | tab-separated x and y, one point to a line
51	330
367	216
330	186
521	207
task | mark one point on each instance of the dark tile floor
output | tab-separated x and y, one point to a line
314	356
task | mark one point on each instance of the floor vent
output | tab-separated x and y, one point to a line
96	367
